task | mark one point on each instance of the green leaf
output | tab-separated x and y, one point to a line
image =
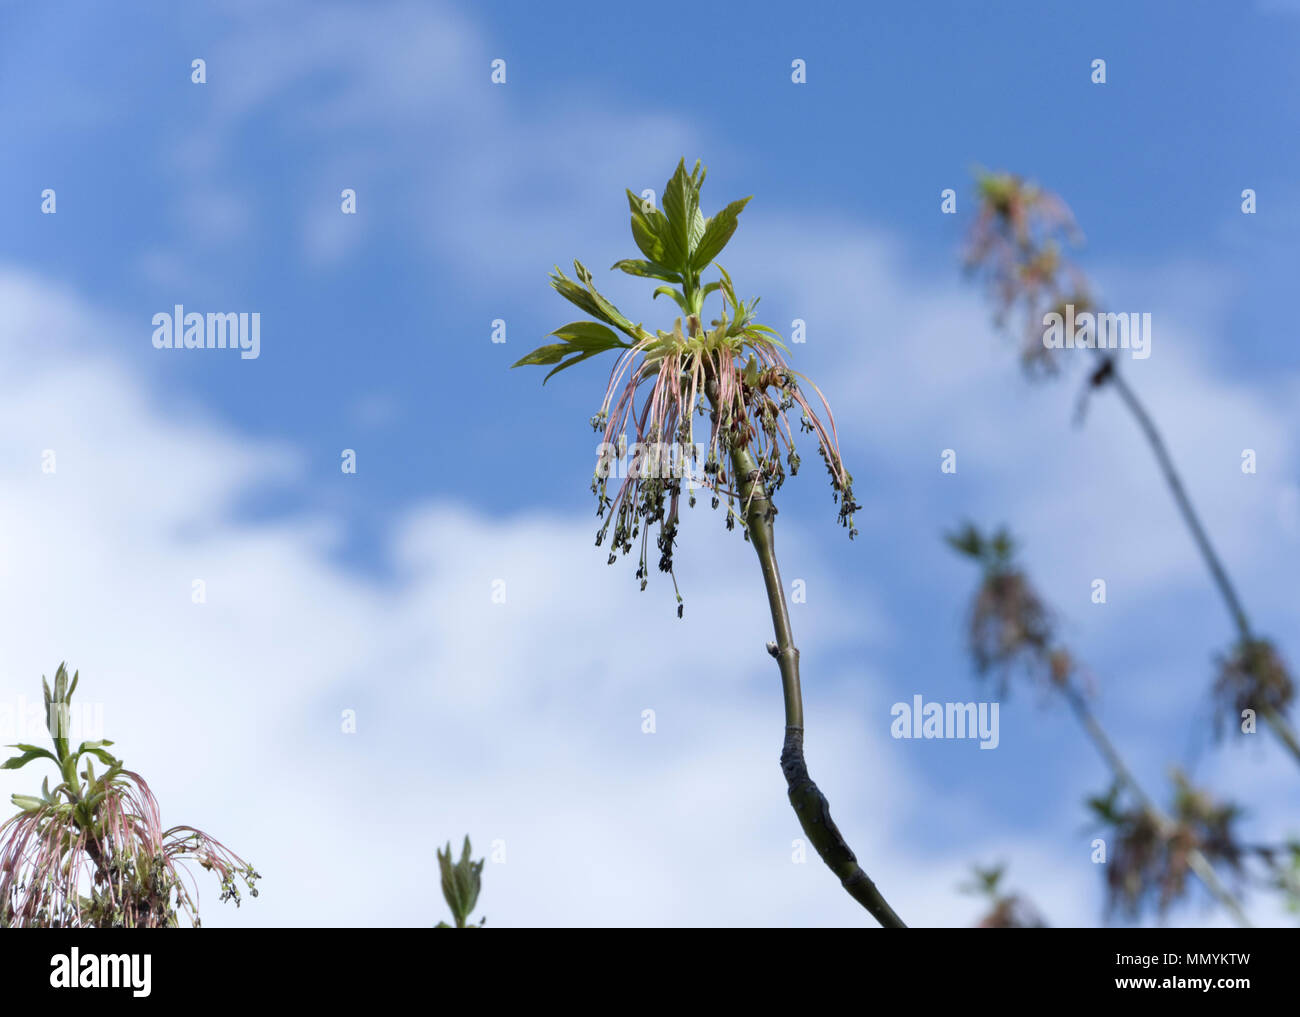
30	752
681	204
583	294
589	335
717	233
26	748
645	232
647	270
728	289
61	684
550	354
570	362
698	224
26	802
677	296
967	541
461	882
583	339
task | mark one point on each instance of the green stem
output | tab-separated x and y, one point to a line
809	804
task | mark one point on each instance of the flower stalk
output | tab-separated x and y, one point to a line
734	370
1109	373
807	800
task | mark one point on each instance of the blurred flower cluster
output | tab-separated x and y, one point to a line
1011	630
1017	244
1005	910
1252	676
1153	854
1012	636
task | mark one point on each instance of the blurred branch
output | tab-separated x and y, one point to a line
1017	243
1012	629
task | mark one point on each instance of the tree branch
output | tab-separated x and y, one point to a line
809	804
1275	720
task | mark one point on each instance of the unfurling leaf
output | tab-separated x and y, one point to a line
582	339
30	752
646	269
717	232
461	883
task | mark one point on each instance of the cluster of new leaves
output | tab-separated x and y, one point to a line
732	370
461	883
91	852
1005	910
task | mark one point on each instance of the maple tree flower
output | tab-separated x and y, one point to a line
1154	854
1017	245
732	371
1252	676
92	852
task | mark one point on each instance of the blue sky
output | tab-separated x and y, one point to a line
521	722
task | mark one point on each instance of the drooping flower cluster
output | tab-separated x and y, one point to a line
1012	634
1011	630
1252	676
732	372
1151	857
1017	244
92	852
735	375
